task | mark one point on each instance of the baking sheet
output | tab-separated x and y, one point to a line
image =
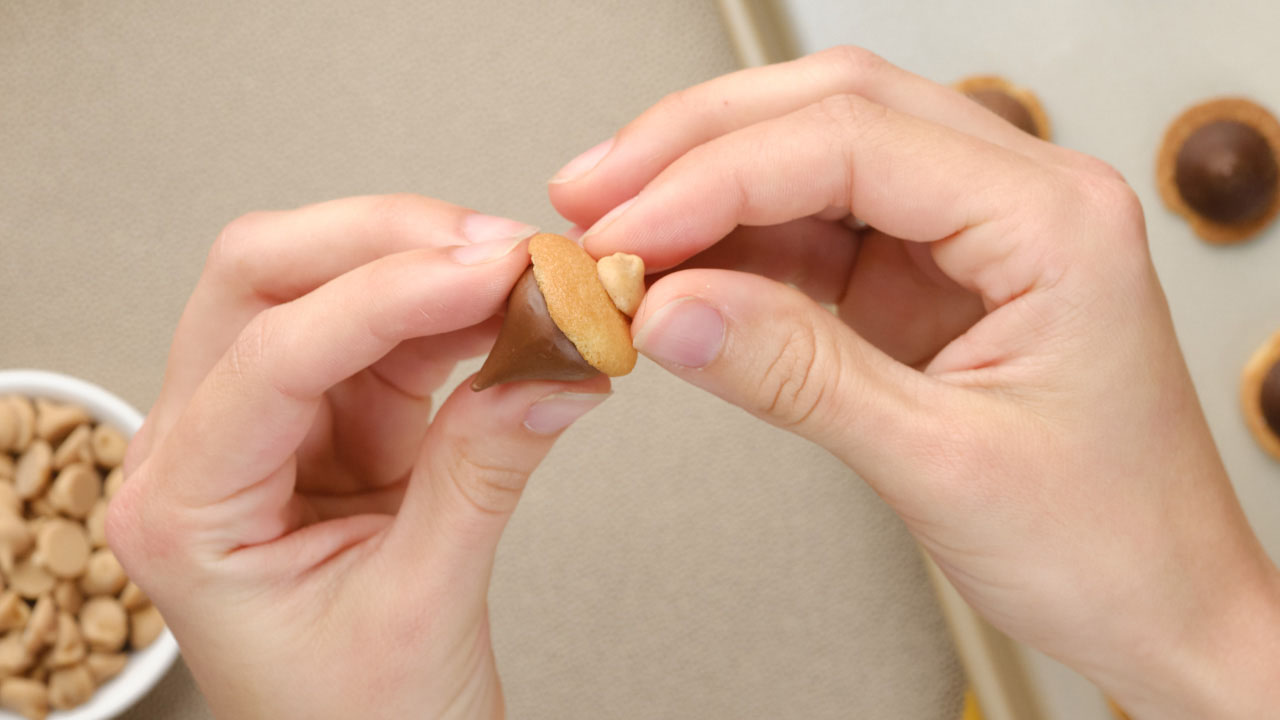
1111	76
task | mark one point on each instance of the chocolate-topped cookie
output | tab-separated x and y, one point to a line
1017	105
1219	167
1260	395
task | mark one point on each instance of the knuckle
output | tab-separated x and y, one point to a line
487	485
235	246
397	213
1096	166
680	103
124	525
795	382
847	112
1112	203
249	347
853	60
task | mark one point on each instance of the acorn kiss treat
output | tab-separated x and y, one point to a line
565	317
1218	168
1017	105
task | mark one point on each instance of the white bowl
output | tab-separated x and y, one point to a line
145	668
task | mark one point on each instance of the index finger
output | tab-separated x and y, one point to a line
247	418
907	177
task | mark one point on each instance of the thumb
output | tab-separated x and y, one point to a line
772	351
476	459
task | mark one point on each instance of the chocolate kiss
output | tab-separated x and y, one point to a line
1227	172
1271	398
530	346
1006	106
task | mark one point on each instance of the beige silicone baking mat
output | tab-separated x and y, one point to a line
1111	76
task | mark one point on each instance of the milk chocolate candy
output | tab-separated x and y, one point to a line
1218	169
1260	395
1018	106
530	346
560	324
1226	171
1269	398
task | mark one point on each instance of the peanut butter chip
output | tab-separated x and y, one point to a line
622	275
108	446
62	547
105	666
32	472
76	448
104	624
30	580
42	628
96	524
114	480
10	503
104	575
14	657
68	647
54	421
6	465
67	596
15	540
145	626
14	612
8	424
25	696
133	598
75	490
25	416
70	687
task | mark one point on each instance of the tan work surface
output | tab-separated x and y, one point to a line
674	557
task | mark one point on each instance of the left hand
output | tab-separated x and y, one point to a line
319	544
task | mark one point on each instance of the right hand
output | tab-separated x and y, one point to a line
1003	369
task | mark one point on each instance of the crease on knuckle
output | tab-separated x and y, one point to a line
847	122
794	383
249	358
490	488
129	532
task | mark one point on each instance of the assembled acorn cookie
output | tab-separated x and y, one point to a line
1018	105
1260	395
1217	168
567	317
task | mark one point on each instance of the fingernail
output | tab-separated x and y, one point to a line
487	250
608	218
556	412
686	332
582	164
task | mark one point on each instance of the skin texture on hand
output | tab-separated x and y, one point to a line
320	546
1002	367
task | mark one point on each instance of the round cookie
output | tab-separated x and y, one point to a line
1260	395
580	305
1217	167
1018	105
